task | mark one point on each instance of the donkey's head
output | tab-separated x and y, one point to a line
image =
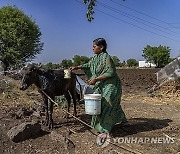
30	76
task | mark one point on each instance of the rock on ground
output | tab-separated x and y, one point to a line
67	143
24	131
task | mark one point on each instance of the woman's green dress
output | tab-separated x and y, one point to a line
111	90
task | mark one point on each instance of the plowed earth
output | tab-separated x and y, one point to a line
150	116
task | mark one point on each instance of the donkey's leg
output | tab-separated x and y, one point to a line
73	94
74	97
68	98
46	111
50	125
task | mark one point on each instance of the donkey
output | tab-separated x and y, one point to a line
52	83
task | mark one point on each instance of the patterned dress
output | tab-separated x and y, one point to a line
110	89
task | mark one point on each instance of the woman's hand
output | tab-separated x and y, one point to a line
92	81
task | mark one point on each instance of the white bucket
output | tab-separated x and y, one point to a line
92	104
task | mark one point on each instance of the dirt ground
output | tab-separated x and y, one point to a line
150	116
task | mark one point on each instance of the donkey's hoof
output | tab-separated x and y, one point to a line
50	126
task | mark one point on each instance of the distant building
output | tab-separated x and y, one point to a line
146	64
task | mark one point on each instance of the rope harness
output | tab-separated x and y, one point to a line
129	150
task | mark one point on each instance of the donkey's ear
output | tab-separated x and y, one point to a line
34	66
39	66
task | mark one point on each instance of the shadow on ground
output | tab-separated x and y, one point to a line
137	125
134	126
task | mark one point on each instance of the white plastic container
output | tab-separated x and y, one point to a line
67	74
92	104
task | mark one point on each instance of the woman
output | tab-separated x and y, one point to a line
102	77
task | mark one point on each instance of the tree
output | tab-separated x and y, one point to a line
66	63
160	55
132	62
90	6
122	64
79	60
116	60
19	35
50	65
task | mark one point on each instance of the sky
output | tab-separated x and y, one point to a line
128	26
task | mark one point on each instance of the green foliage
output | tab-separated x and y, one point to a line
116	61
19	36
66	63
51	66
90	7
160	55
171	59
61	101
79	60
122	64
132	62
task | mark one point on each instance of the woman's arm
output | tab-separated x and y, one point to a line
99	78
